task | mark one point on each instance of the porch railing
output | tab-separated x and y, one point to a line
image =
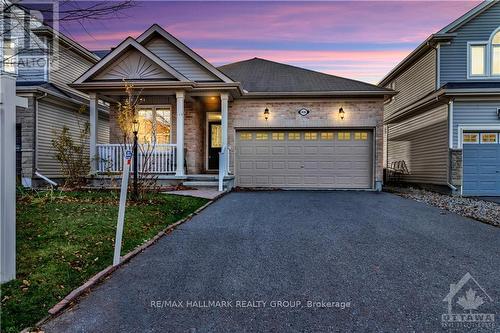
151	159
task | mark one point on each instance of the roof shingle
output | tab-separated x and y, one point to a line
260	75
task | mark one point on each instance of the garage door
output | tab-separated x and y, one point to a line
481	164
304	158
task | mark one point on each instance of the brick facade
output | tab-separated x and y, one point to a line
248	113
456	167
26	117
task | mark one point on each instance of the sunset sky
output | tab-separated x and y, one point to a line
358	39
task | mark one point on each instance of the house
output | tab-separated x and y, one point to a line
258	123
44	62
444	123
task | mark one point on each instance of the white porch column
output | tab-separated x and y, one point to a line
94	119
180	133
7	177
224	101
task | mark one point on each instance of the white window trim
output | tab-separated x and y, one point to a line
488	143
469	58
489	59
154	107
474	128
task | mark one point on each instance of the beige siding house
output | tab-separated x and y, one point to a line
43	77
253	123
443	126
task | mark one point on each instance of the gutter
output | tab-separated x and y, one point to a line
35	139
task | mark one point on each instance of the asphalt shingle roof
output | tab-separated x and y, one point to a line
260	75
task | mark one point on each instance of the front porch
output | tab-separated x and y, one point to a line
181	135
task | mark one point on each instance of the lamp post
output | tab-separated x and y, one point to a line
135	130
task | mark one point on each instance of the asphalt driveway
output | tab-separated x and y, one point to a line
383	262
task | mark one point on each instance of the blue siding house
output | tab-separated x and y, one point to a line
444	124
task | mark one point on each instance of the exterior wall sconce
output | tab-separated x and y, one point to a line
341	113
266	114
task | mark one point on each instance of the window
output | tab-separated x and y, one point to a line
278	136
495	54
344	136
488	138
261	136
9	57
294	136
215	136
471	138
361	136
327	136
477	60
245	136
310	136
154	124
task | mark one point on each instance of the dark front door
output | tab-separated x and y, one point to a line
214	144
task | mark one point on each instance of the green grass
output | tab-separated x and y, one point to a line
65	238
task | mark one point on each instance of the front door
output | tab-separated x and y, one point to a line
214	144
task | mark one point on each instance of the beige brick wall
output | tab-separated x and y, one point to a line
248	113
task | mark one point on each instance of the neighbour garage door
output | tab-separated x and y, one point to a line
481	164
304	158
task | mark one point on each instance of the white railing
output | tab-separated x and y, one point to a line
223	166
151	158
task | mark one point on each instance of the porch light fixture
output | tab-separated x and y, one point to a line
266	114
341	113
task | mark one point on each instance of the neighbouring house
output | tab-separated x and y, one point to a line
258	123
443	126
44	62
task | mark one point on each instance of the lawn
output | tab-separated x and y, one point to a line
63	238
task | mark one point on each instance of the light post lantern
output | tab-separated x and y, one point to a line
135	130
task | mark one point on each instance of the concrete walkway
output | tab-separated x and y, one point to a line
251	262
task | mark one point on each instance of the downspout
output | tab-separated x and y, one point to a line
35	141
450	143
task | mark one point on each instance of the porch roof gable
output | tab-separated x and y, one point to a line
147	61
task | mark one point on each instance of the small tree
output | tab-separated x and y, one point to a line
73	155
127	113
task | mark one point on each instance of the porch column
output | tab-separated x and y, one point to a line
180	133
224	100
94	119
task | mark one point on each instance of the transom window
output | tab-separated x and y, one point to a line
327	136
471	138
261	136
489	138
484	57
310	136
344	136
360	136
154	124
278	136
245	136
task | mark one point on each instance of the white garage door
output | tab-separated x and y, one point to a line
304	158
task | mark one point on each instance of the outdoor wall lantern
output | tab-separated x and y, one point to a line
341	113
266	114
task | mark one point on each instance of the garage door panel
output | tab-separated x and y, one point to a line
316	162
481	169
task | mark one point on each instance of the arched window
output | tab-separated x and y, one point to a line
495	54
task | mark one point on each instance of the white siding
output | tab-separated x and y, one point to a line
179	60
52	118
421	141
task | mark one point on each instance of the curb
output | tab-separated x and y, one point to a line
94	280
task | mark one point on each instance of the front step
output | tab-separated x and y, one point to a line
204	183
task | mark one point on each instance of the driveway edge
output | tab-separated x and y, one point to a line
100	276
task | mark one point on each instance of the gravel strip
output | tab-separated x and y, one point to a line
484	211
